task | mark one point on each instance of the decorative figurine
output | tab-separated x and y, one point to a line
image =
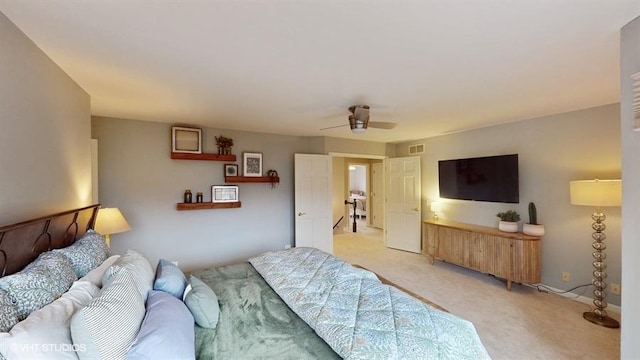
224	145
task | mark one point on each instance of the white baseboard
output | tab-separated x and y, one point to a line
577	297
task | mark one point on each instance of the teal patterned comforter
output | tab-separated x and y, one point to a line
254	322
360	317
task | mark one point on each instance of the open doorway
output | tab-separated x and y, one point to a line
358	180
354	181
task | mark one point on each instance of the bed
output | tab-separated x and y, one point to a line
292	304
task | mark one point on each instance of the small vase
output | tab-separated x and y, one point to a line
508	226
533	230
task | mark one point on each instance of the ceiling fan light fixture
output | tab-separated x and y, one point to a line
357	126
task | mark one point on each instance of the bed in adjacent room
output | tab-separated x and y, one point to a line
63	296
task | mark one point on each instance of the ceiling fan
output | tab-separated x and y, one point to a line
359	120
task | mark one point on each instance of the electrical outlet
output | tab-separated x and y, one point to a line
615	288
566	276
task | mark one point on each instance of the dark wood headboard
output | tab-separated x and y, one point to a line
22	242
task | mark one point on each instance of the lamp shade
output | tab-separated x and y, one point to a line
111	221
596	192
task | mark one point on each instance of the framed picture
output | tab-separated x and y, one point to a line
186	140
230	170
252	164
224	193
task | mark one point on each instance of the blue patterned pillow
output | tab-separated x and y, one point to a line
40	283
87	253
60	271
8	312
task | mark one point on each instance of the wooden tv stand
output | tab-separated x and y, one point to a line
511	256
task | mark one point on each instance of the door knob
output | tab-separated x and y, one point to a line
416	209
300	213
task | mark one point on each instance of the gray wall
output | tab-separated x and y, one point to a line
137	175
630	46
45	153
326	145
552	151
358	179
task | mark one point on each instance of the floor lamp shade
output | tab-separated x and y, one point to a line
598	193
110	221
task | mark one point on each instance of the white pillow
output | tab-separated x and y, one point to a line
95	276
138	266
45	334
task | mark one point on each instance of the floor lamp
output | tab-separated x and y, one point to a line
598	193
110	221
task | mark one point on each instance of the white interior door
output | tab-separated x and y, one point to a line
377	195
402	207
313	212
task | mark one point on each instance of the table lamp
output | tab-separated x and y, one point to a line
435	208
598	193
110	221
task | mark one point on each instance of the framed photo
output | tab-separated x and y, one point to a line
230	170
186	140
224	193
252	164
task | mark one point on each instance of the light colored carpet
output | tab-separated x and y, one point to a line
519	324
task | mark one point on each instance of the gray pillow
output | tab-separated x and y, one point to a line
170	279
203	303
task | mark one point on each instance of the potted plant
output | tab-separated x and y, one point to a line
533	228
508	221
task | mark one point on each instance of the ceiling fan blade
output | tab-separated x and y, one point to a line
382	125
333	127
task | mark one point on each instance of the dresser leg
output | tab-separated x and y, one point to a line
509	285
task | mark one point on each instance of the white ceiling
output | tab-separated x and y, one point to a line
293	67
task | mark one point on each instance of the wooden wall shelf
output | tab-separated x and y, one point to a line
209	205
252	179
204	156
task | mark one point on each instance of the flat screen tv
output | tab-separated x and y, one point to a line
491	178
